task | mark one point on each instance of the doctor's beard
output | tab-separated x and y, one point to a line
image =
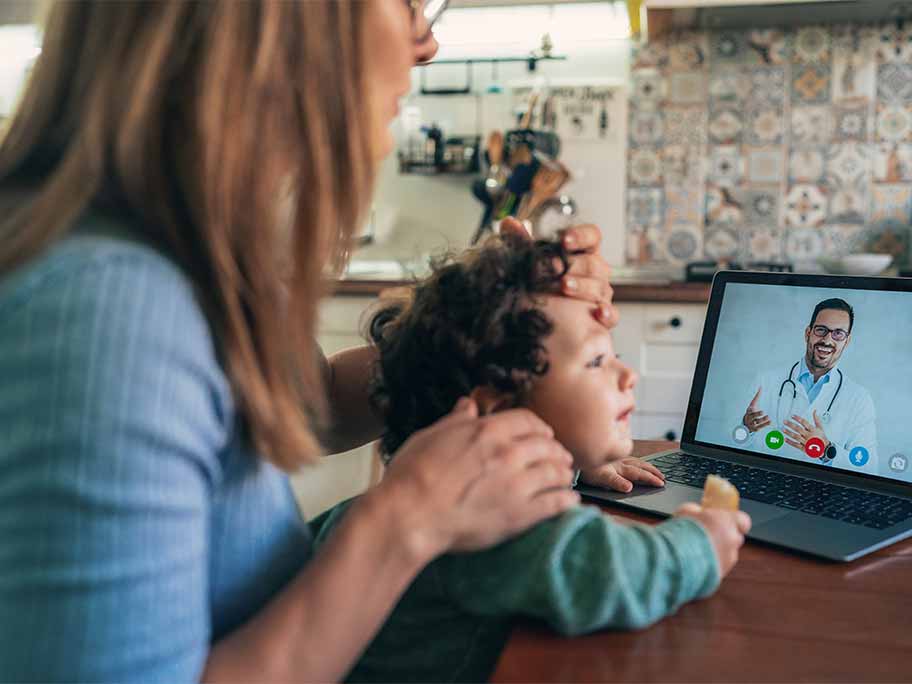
826	362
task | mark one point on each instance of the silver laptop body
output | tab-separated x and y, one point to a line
841	502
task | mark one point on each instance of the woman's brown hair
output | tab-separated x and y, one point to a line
231	136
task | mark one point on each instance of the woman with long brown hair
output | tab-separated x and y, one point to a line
175	185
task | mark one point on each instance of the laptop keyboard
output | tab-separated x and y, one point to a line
853	506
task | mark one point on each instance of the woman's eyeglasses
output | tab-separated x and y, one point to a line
838	334
425	14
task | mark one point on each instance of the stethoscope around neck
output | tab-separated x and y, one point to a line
825	417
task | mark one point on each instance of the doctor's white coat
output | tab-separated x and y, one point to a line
851	423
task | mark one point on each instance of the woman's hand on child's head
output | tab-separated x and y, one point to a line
589	274
726	530
621	475
468	482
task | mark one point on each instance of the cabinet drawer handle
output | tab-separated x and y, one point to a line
675	322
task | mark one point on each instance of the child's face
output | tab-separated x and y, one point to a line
587	394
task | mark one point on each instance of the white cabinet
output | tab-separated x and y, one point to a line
661	342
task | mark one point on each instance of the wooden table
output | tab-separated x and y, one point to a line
778	617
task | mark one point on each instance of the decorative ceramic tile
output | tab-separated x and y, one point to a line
683	165
851	122
888	237
848	205
848	178
724	206
646	127
807	165
805	206
645	206
683	243
765	164
811	45
652	54
858	39
763	244
649	88
726	165
682	205
853	78
688	87
841	239
770	45
725	126
811	125
765	126
644	245
894	123
728	84
722	243
762	206
849	163
728	47
803	244
645	166
894	43
770	144
687	125
811	83
767	84
689	51
891	203
894	83
893	163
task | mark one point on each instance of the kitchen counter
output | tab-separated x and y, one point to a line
624	290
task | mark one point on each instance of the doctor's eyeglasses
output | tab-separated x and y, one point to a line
838	334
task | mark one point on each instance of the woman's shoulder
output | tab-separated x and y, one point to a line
106	329
94	247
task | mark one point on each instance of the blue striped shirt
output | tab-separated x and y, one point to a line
137	527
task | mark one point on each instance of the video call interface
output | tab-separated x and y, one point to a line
818	375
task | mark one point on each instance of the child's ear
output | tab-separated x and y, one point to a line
490	400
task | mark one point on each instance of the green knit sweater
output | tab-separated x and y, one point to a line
578	572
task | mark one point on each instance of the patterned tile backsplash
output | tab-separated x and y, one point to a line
771	145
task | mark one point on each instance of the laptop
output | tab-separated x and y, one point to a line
801	399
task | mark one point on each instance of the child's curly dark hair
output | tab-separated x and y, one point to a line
472	323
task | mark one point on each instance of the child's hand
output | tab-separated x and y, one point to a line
620	475
726	530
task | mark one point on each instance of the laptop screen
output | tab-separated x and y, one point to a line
821	375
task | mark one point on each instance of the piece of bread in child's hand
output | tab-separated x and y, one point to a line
720	493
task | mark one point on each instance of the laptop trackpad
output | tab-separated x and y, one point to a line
667	499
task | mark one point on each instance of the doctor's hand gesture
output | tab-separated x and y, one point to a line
798	431
755	419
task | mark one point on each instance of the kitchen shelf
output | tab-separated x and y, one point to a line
530	60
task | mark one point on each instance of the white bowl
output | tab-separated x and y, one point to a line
866	264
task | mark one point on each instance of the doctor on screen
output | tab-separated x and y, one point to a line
811	410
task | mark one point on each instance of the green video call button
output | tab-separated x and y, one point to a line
774	439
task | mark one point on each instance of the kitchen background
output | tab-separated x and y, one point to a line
779	142
771	144
766	144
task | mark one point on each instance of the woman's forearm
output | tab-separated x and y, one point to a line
353	421
316	628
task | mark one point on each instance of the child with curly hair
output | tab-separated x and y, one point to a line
488	332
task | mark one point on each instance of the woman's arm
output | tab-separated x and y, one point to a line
462	484
353	421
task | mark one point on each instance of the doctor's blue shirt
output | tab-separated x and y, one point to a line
806	378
